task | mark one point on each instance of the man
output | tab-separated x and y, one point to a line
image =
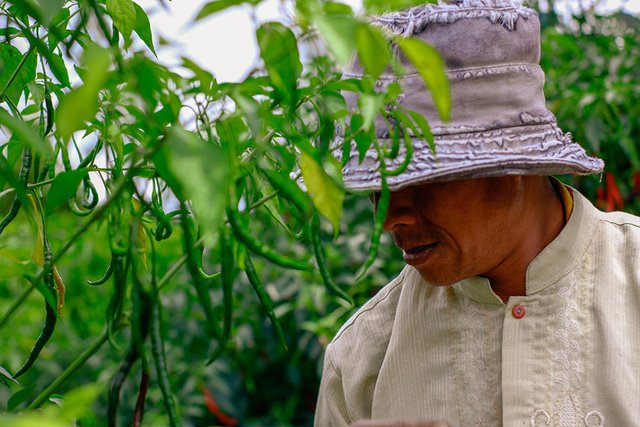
520	303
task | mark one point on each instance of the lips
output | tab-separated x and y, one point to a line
417	255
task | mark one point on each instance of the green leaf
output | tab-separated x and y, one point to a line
10	58
6	377
279	50
76	403
360	136
56	63
370	106
339	32
49	9
123	13
23	132
373	49
430	66
142	28
326	194
424	127
198	171
20	397
81	104
64	186
8	31
216	6
379	7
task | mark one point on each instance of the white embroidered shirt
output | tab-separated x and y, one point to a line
566	354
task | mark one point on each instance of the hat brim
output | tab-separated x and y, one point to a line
523	150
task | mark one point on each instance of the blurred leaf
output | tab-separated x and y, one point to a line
142	28
64	186
25	134
8	31
373	49
279	50
81	104
339	31
124	15
430	66
10	58
198	171
59	69
31	419
20	397
6	377
379	7
216	6
76	403
360	136
326	194
370	106
49	8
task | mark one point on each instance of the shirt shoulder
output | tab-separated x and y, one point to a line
376	315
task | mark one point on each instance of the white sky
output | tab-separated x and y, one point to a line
224	43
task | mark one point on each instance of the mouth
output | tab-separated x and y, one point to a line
418	254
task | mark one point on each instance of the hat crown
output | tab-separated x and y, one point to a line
499	123
471	33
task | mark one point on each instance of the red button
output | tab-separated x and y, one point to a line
518	311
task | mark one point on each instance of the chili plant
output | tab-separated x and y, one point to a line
94	126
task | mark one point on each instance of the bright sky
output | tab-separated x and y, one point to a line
224	43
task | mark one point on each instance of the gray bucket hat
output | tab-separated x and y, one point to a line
499	122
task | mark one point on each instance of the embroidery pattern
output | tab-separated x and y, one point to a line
477	373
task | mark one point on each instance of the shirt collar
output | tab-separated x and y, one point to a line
553	263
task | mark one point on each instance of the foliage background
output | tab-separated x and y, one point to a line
592	69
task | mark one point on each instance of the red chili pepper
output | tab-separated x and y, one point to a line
614	198
212	406
600	199
142	395
636	183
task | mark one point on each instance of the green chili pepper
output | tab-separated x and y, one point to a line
157	348
256	246
265	300
290	191
227	269
118	379
382	206
408	145
202	287
322	263
51	315
104	277
22	182
114	309
50	110
89	158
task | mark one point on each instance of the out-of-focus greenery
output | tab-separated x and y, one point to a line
592	67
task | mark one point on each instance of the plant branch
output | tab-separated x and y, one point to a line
73	367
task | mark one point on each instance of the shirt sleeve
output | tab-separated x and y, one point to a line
331	410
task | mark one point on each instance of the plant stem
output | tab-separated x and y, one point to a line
77	363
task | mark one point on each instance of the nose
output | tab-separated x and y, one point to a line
401	211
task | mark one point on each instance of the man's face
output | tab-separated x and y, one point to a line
450	231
